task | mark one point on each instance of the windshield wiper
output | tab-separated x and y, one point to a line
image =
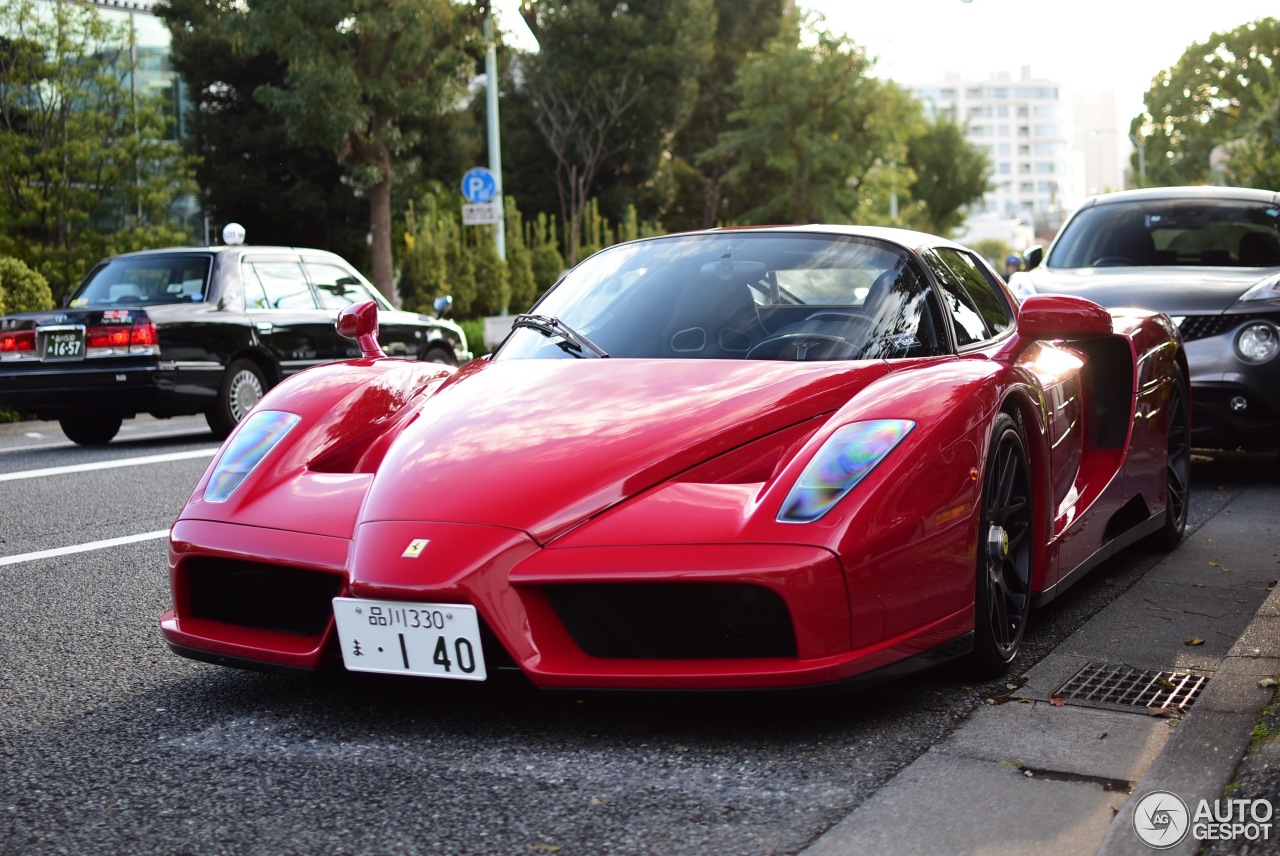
571	340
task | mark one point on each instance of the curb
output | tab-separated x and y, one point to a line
1202	756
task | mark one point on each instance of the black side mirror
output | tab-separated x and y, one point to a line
1033	256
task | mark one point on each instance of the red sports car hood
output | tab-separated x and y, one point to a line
541	445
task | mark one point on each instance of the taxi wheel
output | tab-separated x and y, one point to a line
242	388
91	429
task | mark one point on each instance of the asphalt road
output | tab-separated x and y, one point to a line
110	744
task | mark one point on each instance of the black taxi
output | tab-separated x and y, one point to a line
207	330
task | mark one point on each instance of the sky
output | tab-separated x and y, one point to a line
1081	44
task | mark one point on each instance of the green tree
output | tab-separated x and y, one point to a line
360	77
743	27
1254	160
89	166
1206	99
610	87
950	174
812	128
249	170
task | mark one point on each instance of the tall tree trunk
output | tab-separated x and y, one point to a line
380	234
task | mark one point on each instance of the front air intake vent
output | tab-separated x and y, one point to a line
674	621
261	596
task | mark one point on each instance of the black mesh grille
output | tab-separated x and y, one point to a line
1204	326
675	621
261	596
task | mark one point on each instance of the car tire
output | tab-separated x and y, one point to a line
1002	599
243	386
1177	467
91	429
437	354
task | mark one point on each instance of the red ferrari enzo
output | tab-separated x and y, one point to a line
735	459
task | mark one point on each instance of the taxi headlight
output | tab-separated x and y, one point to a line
1257	342
257	435
842	462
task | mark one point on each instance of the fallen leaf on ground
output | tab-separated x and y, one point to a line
1268	683
1056	701
1195	640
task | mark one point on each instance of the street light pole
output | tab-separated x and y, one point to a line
495	145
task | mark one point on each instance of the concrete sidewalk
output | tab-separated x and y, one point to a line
1059	770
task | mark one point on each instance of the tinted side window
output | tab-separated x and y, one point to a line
984	294
337	287
969	325
276	285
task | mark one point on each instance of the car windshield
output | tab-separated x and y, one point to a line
737	295
145	281
1204	232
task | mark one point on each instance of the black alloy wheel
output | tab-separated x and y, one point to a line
91	429
1003	591
1177	467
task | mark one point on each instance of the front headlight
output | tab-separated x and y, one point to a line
257	435
1257	342
842	462
1268	289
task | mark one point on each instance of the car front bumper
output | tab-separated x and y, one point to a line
653	618
1234	404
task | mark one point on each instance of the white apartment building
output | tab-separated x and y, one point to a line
1025	127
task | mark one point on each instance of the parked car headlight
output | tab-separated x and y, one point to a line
843	461
257	435
1268	289
1257	342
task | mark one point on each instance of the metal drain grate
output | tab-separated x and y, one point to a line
1127	687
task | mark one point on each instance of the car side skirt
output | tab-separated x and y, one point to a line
1125	539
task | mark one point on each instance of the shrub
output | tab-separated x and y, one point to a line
21	288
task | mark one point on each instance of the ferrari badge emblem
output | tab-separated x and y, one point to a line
415	548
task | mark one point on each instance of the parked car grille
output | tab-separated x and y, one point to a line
1204	326
261	596
675	621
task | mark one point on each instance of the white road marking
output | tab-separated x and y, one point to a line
83	548
108	465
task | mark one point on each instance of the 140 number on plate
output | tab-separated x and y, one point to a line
437	640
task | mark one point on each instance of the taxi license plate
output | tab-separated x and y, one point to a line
437	640
64	345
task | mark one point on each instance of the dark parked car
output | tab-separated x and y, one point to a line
1210	258
195	330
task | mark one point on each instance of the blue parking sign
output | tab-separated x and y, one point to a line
479	185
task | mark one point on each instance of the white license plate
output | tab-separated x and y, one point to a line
438	640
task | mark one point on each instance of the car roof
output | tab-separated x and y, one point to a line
222	248
904	237
1148	194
